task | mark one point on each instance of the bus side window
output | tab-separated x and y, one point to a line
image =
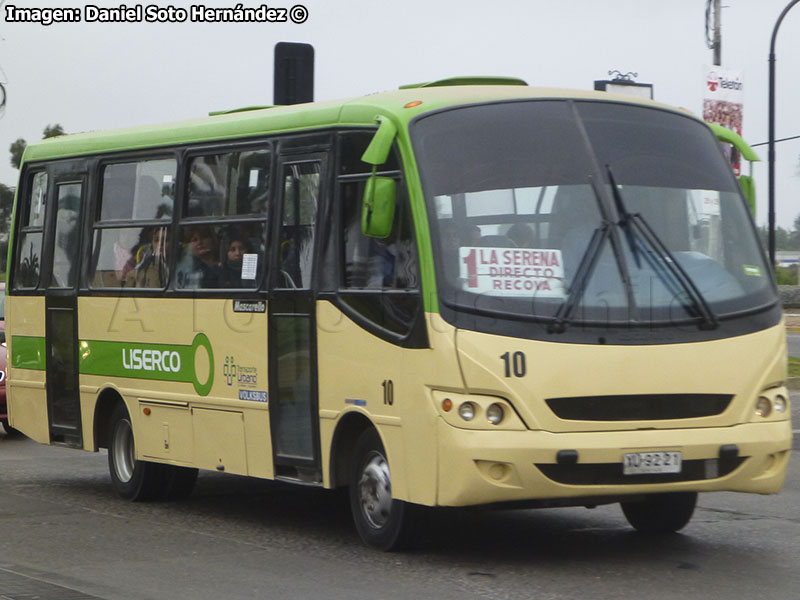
138	190
252	188
233	187
29	245
228	184
374	263
378	274
298	229
65	257
134	255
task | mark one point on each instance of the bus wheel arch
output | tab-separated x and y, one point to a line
348	430
107	401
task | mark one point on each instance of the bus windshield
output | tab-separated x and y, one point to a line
585	211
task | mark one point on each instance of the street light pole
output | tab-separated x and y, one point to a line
771	153
717	33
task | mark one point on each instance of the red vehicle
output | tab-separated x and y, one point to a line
3	410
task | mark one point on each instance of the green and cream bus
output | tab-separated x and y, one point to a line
467	292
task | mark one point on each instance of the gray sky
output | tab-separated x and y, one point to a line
89	76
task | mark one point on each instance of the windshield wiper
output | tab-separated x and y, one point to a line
581	279
626	219
633	222
586	267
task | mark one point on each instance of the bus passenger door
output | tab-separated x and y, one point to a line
61	319
294	408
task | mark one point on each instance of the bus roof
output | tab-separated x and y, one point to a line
255	121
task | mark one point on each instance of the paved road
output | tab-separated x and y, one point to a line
64	535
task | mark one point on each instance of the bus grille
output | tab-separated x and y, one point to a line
641	407
611	473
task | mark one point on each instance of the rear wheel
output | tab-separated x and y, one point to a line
133	479
661	513
381	521
9	429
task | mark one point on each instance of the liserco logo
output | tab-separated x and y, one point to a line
162	362
151	360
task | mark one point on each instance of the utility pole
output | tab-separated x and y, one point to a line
717	33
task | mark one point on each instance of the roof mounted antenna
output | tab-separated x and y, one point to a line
294	73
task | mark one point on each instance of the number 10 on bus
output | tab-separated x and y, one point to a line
514	364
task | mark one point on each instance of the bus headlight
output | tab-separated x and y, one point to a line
476	411
772	404
495	414
467	411
763	407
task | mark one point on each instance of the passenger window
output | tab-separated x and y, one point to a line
228	184
29	248
67	233
220	256
131	257
299	224
36	203
134	256
138	190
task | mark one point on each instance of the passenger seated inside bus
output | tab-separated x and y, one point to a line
233	274
200	266
151	270
522	235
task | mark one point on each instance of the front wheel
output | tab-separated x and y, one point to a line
660	513
133	479
381	521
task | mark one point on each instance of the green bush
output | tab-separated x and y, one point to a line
786	275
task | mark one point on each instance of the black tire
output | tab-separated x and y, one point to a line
133	479
10	431
382	522
660	513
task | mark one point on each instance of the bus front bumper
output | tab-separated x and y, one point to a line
485	467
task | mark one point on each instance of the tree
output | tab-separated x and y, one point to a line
6	206
53	131
18	147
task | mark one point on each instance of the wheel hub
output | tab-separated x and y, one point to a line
375	491
124	452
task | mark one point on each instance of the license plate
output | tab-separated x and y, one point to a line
641	463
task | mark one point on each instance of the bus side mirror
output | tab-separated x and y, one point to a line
378	150
749	189
377	209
